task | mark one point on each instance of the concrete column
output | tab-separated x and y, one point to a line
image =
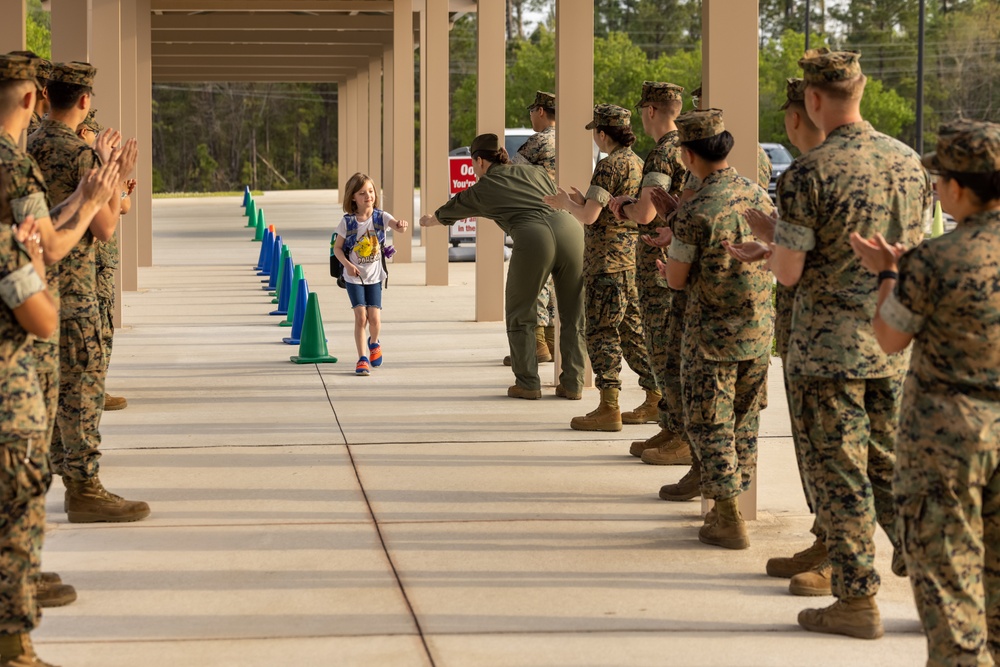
342	158
13	29
362	129
71	20
402	146
352	127
491	117
434	150
729	82
375	119
106	56
142	199
128	228
423	114
388	130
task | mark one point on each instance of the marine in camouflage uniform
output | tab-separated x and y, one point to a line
614	322
847	389
43	68
947	480
727	337
65	159
540	149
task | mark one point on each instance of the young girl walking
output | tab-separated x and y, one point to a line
361	248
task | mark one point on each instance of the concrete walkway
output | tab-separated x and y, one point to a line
303	516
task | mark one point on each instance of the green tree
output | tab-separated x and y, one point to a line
39	29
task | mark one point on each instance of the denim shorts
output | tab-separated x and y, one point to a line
365	295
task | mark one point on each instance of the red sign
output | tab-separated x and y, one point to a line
461	177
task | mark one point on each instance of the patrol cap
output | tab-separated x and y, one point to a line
826	66
966	147
18	68
796	92
90	122
76	73
543	100
696	92
610	115
488	143
658	91
43	68
699	124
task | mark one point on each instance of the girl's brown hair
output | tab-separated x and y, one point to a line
353	187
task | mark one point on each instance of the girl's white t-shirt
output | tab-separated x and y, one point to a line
367	252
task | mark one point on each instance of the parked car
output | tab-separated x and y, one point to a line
780	160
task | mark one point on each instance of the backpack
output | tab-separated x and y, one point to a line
350	240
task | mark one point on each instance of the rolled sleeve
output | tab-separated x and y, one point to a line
20	285
899	317
794	237
655	179
598	194
33	205
682	252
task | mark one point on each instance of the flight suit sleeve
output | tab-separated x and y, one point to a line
469	203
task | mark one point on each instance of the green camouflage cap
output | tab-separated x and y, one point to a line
543	100
658	91
77	73
826	66
485	142
796	92
610	115
90	122
44	69
696	92
699	124
966	147
18	68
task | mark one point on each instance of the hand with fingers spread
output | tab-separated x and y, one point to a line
106	142
662	239
102	183
129	156
561	200
876	254
747	252
761	224
664	202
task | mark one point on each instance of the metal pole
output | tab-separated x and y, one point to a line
919	143
807	24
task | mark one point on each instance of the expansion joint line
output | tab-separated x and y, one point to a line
378	529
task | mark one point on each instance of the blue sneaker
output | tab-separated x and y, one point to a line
375	353
362	367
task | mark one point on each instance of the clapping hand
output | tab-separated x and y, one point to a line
876	254
664	202
748	252
617	206
761	224
99	184
106	142
662	239
128	157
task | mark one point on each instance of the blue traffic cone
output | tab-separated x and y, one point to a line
286	258
312	349
246	196
265	249
285	291
301	299
272	281
273	252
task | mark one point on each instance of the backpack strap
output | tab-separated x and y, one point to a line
351	233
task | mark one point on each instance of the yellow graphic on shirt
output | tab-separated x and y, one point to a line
367	249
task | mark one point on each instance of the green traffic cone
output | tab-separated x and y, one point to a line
300	274
286	256
252	214
259	232
937	227
312	349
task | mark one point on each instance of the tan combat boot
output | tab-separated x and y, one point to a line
813	582
563	392
541	347
88	501
728	529
506	360
854	617
50	591
114	402
605	418
517	391
674	452
688	488
803	561
550	340
17	651
648	411
639	446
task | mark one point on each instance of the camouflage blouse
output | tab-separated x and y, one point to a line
609	245
540	149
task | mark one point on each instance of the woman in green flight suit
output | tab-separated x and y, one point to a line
545	241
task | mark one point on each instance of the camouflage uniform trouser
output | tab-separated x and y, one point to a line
948	495
848	428
662	342
24	479
614	327
800	456
545	305
722	402
81	398
107	310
